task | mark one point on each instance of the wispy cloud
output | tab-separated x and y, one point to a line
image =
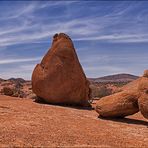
108	26
10	61
24	25
127	38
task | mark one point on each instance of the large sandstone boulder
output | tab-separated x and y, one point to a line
127	102
143	99
132	85
143	104
118	105
59	78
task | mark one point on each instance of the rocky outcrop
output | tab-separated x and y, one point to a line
143	100
143	104
118	105
126	102
59	78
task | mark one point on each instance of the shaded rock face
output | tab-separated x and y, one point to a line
143	105
143	100
59	78
126	102
145	73
118	105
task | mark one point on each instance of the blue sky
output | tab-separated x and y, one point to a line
110	37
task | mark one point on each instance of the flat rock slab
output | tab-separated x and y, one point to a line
24	123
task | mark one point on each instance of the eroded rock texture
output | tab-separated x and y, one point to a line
59	78
118	105
126	102
143	99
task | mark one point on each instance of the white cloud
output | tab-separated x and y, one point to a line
116	26
10	61
84	28
117	38
99	70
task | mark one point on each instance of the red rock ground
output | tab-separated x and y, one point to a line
24	123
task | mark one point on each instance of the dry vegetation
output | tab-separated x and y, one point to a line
100	90
41	125
23	89
16	88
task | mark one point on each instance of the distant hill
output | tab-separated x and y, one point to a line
21	80
1	80
114	78
110	78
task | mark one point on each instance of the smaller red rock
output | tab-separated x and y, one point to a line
118	105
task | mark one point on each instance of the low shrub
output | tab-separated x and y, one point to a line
99	92
7	91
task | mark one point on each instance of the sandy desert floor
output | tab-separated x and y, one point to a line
26	123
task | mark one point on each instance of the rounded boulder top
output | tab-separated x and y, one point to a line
62	37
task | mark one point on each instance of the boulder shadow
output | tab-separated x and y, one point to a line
74	106
127	120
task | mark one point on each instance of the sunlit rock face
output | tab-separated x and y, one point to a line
118	105
59	78
126	102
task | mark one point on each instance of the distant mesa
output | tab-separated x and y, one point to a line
59	78
20	80
115	78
